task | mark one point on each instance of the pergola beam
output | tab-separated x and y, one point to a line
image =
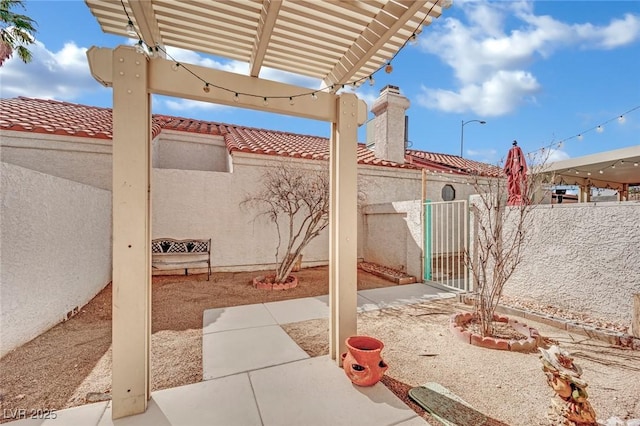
268	18
166	79
347	67
147	22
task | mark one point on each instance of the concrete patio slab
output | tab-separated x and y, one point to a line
403	295
236	317
83	415
308	308
225	401
316	392
236	351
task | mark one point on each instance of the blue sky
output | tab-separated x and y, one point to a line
539	72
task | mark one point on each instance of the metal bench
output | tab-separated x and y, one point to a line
169	253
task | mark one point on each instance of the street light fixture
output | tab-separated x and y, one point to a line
462	132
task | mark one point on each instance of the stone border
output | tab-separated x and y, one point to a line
611	337
259	283
397	277
524	345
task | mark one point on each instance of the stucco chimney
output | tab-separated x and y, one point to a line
389	124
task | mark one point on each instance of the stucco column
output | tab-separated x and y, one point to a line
343	230
131	233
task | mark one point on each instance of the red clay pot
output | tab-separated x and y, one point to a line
362	362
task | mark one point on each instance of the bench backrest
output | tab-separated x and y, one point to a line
173	246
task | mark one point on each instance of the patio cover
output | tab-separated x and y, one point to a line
617	169
337	42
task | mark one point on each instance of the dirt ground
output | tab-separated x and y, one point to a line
72	360
70	364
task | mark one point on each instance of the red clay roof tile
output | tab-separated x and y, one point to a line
64	118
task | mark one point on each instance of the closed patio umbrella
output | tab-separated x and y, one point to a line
515	168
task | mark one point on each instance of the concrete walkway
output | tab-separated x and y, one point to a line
255	374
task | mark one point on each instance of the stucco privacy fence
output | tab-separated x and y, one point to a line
582	257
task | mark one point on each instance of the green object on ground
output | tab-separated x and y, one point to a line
448	408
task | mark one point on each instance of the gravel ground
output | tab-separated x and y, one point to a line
508	386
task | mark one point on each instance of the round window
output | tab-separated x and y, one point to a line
448	193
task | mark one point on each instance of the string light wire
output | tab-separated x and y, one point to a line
153	52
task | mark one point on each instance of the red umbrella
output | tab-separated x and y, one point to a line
516	170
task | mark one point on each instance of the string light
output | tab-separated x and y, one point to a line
599	129
154	52
130	29
139	47
413	39
206	88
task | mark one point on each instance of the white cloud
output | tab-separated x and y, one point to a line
489	156
496	96
50	75
490	61
556	155
185	105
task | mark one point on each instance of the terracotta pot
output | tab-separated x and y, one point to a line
362	362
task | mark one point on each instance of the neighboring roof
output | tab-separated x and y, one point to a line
337	42
620	166
64	118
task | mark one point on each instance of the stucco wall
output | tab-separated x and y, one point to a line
583	257
55	250
198	204
393	236
83	160
187	151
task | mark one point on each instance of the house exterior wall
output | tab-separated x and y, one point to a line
582	257
55	242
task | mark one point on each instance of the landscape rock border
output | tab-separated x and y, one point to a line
612	337
530	344
262	283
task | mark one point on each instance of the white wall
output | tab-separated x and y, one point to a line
583	257
393	236
84	160
55	250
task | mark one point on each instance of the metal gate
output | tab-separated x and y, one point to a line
446	237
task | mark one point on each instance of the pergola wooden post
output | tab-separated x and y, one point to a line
343	235
131	317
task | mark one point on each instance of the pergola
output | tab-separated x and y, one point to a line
337	42
617	169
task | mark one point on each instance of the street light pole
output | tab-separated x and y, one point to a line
462	132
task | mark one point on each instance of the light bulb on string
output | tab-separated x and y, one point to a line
580	137
206	88
139	47
621	119
265	101
371	80
175	66
236	97
314	96
413	39
291	101
130	29
600	129
389	68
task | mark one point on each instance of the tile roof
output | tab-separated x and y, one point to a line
64	118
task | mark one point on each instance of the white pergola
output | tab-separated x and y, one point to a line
337	42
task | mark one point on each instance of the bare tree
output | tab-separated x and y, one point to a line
500	234
295	199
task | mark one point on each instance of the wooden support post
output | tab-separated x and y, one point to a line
131	233
343	229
